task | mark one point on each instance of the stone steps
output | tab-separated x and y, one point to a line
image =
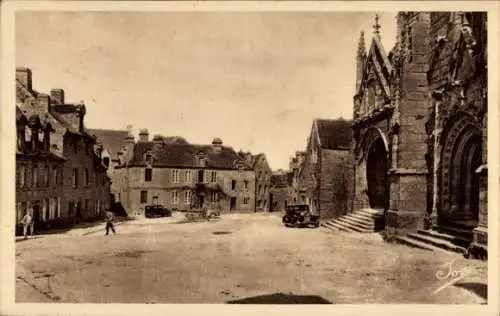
362	221
435	240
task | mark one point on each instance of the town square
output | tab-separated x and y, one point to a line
212	157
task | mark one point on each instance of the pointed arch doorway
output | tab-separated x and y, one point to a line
376	175
461	156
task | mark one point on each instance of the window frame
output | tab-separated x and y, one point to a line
148	174
143	197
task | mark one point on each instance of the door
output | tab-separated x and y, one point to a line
271	205
36	214
232	204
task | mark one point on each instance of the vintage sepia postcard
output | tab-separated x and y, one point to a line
255	157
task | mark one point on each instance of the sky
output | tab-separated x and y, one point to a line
255	79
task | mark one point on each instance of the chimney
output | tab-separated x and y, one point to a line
57	95
43	102
81	111
144	135
217	144
128	151
24	75
158	142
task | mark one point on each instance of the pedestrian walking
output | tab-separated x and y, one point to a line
28	223
109	222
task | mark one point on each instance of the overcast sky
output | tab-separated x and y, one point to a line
256	80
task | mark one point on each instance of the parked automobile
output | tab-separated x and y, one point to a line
300	216
156	211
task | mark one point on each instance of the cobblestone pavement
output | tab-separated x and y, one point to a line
239	258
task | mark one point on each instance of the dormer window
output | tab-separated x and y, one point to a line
202	161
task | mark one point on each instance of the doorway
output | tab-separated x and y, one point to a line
376	169
232	204
271	204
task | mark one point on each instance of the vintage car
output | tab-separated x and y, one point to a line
156	210
300	216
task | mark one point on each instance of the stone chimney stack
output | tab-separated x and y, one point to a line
144	135
42	103
128	150
24	75
57	95
217	144
158	142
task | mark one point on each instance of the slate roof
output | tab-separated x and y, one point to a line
53	115
183	155
334	134
112	140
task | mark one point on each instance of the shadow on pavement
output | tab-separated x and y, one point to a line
479	289
280	298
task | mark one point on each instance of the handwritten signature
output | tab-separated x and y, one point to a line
446	272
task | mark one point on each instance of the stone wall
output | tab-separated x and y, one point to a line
336	180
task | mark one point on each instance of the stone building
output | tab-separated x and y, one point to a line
262	179
112	142
420	126
180	176
38	172
279	192
295	165
326	173
84	189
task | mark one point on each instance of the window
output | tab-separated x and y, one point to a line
189	176
45	209
46	174
148	174
34	172
214	196
175	197
187	197
56	176
213	176
233	185
246	200
202	162
175	176
144	196
75	178
22	176
245	184
86	177
75	146
57	207
201	176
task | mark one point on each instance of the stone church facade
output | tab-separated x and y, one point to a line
419	126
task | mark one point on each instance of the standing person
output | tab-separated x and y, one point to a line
109	222
28	222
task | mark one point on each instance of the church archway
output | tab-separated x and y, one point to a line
376	175
461	156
